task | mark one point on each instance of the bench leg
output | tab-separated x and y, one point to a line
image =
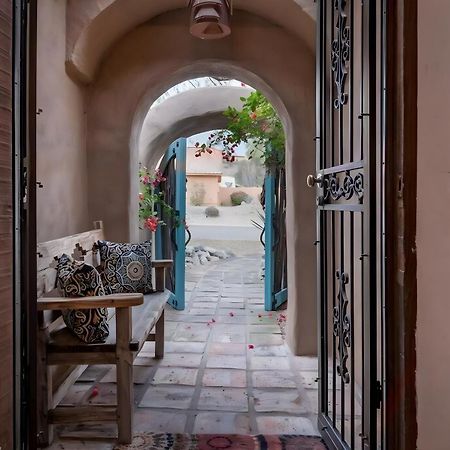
124	366
159	337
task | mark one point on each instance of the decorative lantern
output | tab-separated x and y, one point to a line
210	19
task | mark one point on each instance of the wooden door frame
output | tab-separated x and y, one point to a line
401	188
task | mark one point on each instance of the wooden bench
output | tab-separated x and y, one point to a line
63	357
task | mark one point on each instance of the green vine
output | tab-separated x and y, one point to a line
257	124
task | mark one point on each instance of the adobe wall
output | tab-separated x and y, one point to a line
61	159
140	68
204	188
433	226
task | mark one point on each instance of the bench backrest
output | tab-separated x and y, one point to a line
79	246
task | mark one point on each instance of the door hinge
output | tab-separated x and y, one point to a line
379	394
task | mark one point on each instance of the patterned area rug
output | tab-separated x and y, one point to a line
153	441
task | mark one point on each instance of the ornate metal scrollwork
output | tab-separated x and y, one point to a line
340	53
342	326
350	186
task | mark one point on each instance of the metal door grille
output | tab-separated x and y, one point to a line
347	167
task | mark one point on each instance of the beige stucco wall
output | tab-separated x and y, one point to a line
61	157
139	68
433	226
209	184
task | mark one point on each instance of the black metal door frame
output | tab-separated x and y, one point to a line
24	141
348	179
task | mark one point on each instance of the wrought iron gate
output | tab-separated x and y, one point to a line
170	238
348	165
275	252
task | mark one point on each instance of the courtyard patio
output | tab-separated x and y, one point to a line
226	369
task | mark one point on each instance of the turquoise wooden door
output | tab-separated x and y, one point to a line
275	272
170	238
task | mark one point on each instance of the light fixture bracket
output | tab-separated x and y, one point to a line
210	19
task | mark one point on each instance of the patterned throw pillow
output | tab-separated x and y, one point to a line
78	279
126	267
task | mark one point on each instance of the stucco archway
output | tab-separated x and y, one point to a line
138	70
185	114
94	26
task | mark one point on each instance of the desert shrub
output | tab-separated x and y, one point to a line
198	194
211	211
238	197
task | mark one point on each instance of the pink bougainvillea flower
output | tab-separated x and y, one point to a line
151	223
94	392
251	346
231	313
145	179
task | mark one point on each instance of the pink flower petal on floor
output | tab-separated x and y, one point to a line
251	346
231	314
213	320
94	392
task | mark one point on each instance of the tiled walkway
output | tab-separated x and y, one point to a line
226	368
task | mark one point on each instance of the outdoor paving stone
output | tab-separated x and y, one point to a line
309	380
181	360
236	338
266	329
269	363
306	362
218	348
189	333
225	378
281	400
241	320
223	310
273	378
286	425
271	350
177	397
92	373
141	375
186	347
202	311
222	423
175	375
227	299
223	399
148	420
204	305
106	395
201	299
145	361
232	306
265	339
263	319
227	362
76	393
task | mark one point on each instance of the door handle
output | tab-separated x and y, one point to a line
311	180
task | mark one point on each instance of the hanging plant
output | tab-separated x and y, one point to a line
258	124
149	199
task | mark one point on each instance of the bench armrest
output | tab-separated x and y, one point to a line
101	301
162	263
160	266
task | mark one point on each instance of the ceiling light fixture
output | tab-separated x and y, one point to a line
210	19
